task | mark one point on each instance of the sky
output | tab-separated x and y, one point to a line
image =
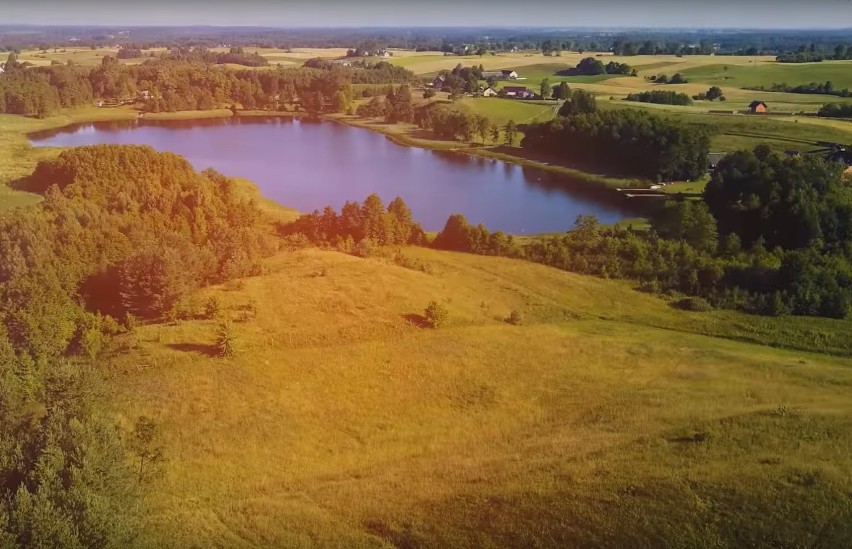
465	13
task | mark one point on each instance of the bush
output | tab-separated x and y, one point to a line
130	322
212	307
515	318
436	314
695	304
364	248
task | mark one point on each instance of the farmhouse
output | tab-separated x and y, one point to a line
489	92
509	74
757	106
438	82
518	92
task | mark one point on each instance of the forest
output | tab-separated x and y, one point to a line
175	85
625	142
123	233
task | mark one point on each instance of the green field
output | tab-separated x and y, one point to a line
767	73
502	110
732	132
607	418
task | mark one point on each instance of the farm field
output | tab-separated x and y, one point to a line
766	73
341	424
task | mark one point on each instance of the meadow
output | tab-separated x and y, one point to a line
601	416
342	423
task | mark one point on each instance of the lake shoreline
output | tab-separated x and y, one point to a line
579	181
401	137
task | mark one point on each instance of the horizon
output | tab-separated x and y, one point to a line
303	14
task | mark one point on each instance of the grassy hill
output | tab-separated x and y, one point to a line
607	418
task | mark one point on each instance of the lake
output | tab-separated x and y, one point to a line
307	165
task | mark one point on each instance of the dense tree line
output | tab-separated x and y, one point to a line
460	236
824	88
787	202
451	123
624	141
41	91
129	53
660	96
364	72
677	78
836	110
200	54
172	85
122	232
358	225
801	57
773	235
591	66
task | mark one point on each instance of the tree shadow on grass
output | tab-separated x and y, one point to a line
198	348
418	321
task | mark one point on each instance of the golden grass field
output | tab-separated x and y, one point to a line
607	419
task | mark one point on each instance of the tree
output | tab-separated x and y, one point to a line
483	126
495	133
312	102
578	102
341	102
147	446
11	62
690	221
511	131
226	339
545	88
428	93
561	91
435	314
590	66
715	92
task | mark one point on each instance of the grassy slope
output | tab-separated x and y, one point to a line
765	74
342	425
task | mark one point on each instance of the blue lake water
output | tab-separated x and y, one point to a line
307	165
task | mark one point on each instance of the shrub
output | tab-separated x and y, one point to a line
130	322
696	304
212	307
92	342
515	318
436	314
110	326
226	339
364	248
